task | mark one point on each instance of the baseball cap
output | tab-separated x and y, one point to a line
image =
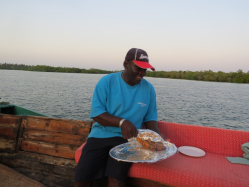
139	57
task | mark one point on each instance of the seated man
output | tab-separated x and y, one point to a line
121	103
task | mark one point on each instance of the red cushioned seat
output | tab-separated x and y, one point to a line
180	170
210	139
78	152
211	170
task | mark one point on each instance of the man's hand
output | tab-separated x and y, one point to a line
152	125
128	130
165	138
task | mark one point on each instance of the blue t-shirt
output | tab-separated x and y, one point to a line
113	95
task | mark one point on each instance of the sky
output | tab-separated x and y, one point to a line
178	35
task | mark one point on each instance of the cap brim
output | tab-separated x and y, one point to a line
144	65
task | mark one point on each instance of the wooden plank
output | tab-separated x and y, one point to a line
54	137
9	126
8	133
58	125
7	145
60	150
41	163
11	121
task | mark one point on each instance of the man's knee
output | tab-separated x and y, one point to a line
112	182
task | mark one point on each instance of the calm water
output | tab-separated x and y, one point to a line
68	95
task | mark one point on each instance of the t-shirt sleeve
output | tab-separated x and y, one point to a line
151	114
99	98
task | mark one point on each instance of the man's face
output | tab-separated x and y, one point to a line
134	73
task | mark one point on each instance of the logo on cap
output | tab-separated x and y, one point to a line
143	56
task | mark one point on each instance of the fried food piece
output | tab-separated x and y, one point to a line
146	139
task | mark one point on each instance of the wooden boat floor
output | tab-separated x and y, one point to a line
51	170
12	178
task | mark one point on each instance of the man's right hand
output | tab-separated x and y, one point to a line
128	130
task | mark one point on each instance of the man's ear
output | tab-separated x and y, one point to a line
125	64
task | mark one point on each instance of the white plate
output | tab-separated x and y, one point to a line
191	151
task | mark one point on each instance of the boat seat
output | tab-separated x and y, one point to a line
213	169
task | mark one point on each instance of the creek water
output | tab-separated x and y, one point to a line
68	96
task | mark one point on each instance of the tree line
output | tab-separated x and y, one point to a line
233	77
45	68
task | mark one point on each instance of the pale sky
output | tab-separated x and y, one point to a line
194	35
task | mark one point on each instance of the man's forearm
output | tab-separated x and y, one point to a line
153	125
128	128
107	119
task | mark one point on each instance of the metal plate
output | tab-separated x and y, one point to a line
134	152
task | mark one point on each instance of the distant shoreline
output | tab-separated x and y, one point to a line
232	77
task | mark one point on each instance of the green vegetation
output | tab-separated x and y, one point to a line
233	77
44	68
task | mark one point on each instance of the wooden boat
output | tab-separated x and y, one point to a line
45	149
8	108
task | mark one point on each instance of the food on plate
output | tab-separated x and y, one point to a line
151	140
